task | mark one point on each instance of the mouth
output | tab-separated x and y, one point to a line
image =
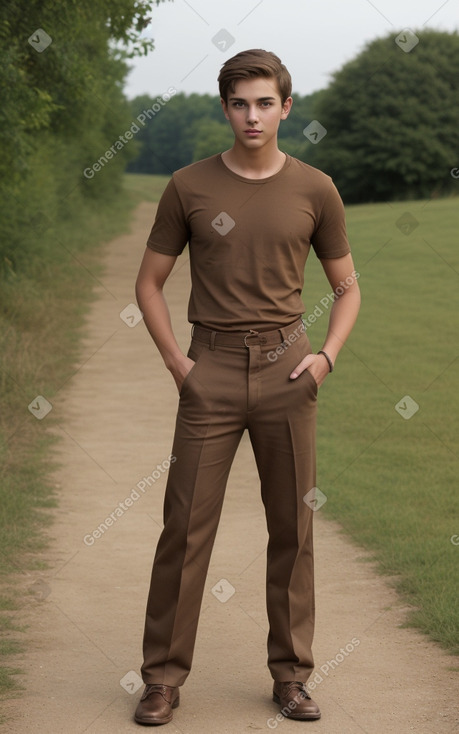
252	132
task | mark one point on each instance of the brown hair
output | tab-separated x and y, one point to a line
250	64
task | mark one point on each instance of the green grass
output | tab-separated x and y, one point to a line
392	482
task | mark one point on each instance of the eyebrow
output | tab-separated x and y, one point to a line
260	99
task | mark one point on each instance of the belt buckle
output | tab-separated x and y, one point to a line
252	332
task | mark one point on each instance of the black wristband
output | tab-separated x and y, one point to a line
330	363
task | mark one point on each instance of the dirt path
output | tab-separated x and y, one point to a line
116	419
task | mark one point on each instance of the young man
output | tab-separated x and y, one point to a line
250	216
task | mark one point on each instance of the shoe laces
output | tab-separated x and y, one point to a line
155	688
301	686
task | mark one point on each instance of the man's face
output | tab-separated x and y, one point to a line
255	110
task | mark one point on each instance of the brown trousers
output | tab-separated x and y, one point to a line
237	384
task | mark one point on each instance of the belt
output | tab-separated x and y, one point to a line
247	339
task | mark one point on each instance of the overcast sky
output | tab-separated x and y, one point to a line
313	38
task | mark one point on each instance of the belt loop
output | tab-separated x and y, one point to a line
283	333
213	334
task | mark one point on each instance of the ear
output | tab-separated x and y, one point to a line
225	107
286	107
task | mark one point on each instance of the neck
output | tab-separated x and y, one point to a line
259	163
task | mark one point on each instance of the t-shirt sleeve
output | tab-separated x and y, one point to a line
330	237
170	232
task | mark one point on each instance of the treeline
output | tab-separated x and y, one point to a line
62	104
388	123
191	127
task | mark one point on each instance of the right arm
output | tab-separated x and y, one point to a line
154	271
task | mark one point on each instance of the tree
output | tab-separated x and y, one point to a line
168	138
392	120
211	137
62	108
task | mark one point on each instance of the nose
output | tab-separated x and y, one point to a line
252	114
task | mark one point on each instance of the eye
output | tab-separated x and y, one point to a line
266	104
238	105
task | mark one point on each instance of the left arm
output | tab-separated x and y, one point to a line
343	316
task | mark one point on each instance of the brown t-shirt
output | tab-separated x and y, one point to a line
248	239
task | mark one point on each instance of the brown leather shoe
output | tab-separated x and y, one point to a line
294	700
156	704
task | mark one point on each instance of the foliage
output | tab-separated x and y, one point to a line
168	139
391	120
210	136
62	106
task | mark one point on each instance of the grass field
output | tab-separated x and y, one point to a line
390	479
